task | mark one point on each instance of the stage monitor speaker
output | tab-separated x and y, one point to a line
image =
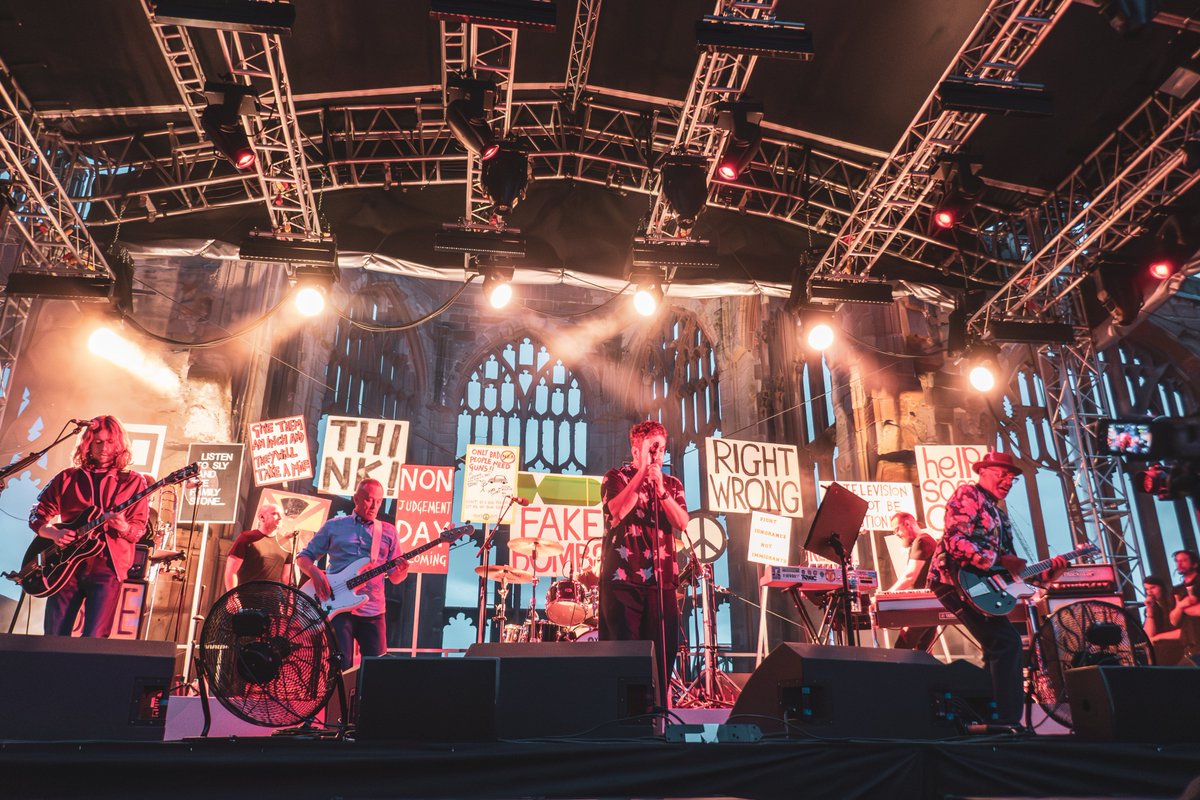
1135	704
427	699
574	689
840	692
61	688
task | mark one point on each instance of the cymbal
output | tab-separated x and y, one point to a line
502	573
528	544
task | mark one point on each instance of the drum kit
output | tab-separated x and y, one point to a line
571	602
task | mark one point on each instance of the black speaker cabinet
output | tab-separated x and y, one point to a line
58	688
427	699
1135	704
840	692
573	689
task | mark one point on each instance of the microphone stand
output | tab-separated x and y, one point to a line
484	554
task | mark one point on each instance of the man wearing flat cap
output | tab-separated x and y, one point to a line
978	534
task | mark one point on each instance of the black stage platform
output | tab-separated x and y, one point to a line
1033	766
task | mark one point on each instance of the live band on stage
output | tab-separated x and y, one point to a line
643	576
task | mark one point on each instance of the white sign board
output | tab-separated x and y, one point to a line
279	451
489	481
940	470
770	539
752	476
885	499
353	449
565	509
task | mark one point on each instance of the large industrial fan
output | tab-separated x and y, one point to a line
1083	634
269	655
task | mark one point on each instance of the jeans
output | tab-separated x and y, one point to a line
96	588
369	632
1002	652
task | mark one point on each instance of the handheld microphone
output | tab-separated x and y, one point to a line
521	501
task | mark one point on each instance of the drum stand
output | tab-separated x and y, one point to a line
711	687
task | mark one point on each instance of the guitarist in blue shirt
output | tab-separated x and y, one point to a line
978	534
344	540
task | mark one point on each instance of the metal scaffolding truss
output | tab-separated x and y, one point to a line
1103	204
408	144
583	39
1007	34
257	61
719	77
180	55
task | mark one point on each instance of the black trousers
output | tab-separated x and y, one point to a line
636	612
1002	652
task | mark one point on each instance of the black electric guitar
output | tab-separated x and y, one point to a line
48	566
994	592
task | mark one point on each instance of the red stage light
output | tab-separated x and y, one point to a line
944	218
1161	269
489	151
728	171
244	158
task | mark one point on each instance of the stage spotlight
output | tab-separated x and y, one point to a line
983	367
961	189
649	294
505	177
685	187
743	121
309	300
818	327
468	102
497	286
222	122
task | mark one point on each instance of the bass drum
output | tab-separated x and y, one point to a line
582	633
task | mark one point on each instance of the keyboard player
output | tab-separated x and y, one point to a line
916	575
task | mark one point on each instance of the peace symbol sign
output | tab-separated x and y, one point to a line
706	537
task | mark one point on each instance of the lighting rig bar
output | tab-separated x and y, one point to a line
841	290
84	288
247	16
673	254
474	241
534	14
306	252
767	37
583	41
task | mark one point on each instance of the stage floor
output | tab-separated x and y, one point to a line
772	769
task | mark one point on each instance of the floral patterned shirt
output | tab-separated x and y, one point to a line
628	543
977	533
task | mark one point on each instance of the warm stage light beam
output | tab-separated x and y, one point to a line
111	346
309	301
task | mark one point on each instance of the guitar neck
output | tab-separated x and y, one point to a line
388	566
174	477
1034	569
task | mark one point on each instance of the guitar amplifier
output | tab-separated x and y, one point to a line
1084	580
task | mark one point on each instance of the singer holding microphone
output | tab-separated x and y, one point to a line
100	480
643	512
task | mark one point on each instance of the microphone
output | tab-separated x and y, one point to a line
521	501
83	422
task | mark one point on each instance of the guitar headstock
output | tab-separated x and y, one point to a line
1088	550
183	473
452	534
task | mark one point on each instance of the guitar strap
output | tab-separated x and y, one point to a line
376	535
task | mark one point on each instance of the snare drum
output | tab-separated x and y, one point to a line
567	603
531	632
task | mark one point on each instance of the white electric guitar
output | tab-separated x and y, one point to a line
344	585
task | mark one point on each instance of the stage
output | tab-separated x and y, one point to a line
1027	767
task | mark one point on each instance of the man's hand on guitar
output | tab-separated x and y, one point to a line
60	536
1057	565
399	573
1014	564
320	585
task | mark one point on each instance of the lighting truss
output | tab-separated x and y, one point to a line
248	16
583	40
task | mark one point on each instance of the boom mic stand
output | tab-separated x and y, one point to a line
485	552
